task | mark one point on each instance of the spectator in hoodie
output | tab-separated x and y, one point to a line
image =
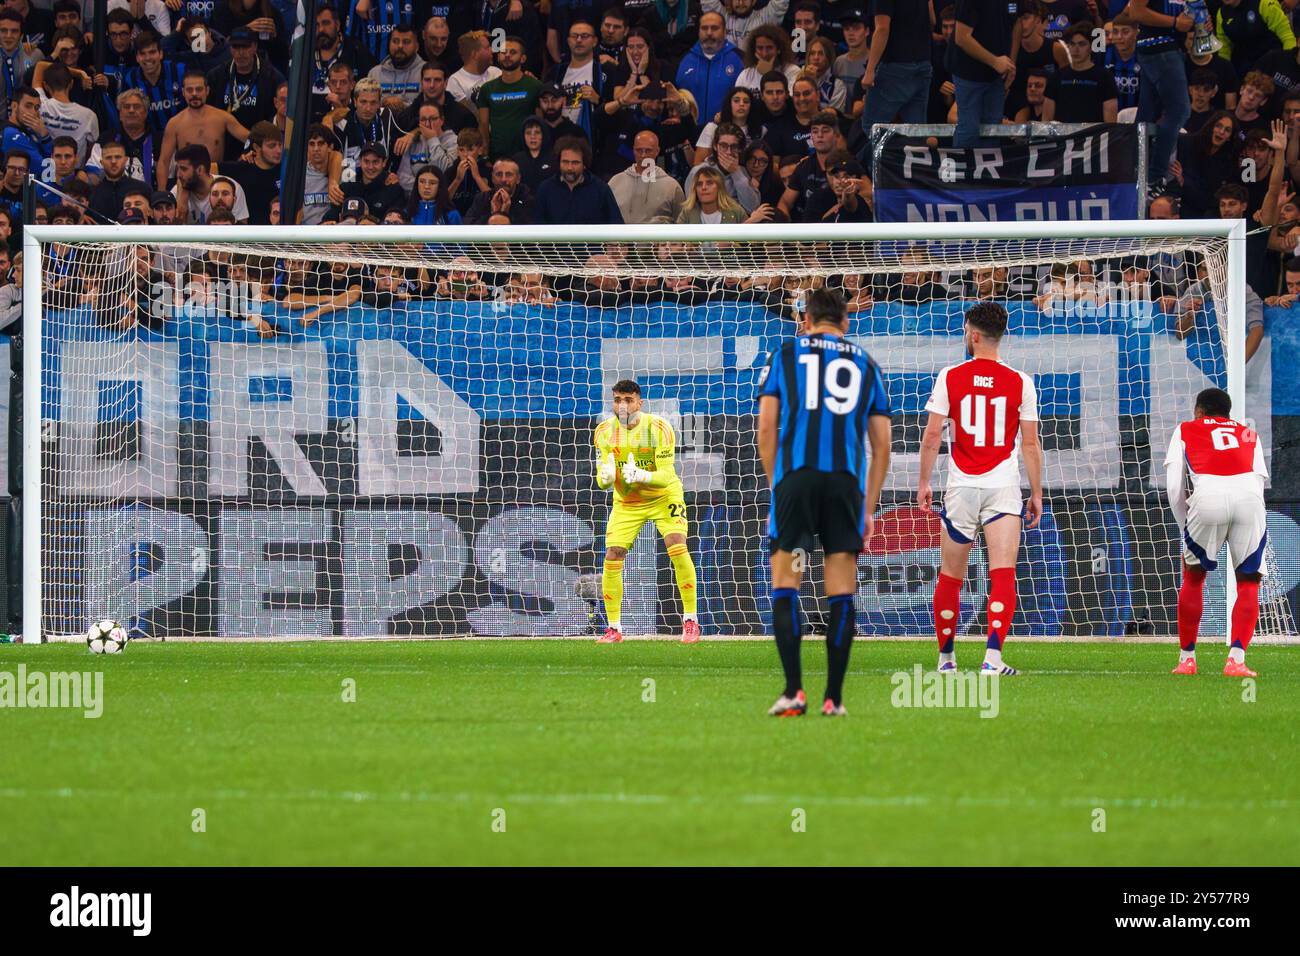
644	191
399	74
106	198
711	68
574	196
371	183
433	146
536	160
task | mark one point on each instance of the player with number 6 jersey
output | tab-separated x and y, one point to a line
1214	477
993	410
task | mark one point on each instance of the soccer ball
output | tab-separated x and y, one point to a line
106	637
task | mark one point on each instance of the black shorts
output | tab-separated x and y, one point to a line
809	504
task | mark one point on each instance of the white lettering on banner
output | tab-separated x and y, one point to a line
271	566
276	552
1095	463
1052	160
371	593
510	532
1033	172
89	374
1080	153
119	543
916	156
238	372
385	370
1093	208
988	163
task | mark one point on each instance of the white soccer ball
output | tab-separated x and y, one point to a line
106	637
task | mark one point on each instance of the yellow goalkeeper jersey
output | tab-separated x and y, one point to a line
653	445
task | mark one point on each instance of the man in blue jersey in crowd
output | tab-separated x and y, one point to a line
822	401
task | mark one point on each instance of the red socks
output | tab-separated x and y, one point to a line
1191	603
947	608
1002	604
1245	614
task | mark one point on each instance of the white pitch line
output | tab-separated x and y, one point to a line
654	799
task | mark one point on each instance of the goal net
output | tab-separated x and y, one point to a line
364	431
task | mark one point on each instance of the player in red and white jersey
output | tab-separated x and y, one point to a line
994	414
1215	476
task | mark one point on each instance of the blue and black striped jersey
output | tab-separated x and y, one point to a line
373	32
166	98
828	387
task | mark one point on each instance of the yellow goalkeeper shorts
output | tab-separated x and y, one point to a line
625	521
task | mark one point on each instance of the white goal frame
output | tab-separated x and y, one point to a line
36	236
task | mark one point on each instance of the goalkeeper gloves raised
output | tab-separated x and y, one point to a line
607	470
634	475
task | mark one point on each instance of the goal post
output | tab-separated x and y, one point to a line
365	431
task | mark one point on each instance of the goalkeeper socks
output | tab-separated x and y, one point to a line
612	588
1245	615
1002	606
684	571
947	606
785	625
1191	603
839	641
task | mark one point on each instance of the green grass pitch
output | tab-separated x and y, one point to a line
557	735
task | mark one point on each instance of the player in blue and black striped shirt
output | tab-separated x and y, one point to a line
821	402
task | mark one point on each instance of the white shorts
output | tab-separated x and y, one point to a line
1220	515
966	510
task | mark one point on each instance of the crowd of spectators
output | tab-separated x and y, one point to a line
580	112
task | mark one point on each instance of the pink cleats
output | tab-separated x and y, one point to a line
612	635
1187	666
690	632
1237	669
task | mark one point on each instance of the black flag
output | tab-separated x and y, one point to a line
293	168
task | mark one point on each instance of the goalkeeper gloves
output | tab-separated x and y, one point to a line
634	475
607	470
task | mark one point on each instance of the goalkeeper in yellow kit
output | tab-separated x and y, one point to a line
634	455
